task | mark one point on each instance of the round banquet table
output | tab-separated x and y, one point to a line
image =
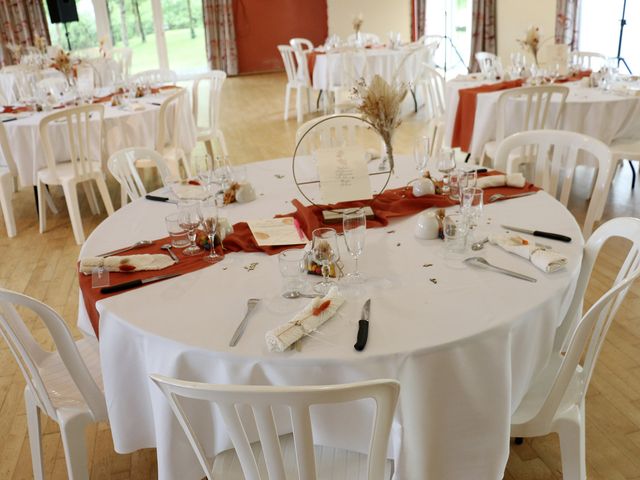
380	61
464	343
122	128
605	115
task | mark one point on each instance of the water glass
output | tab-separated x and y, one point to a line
455	229
472	203
292	265
421	150
354	225
446	164
189	218
179	238
459	180
324	250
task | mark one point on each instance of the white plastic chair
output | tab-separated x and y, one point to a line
56	85
123	57
489	63
433	86
122	165
300	75
536	101
589	60
329	131
66	384
262	399
158	76
209	132
552	54
552	155
344	70
555	401
80	132
168	134
288	59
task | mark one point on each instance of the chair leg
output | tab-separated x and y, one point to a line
287	98
222	141
186	163
35	434
91	197
572	445
6	189
49	199
124	198
318	100
299	104
42	213
633	172
415	100
71	196
104	193
607	187
308	100
72	431
208	145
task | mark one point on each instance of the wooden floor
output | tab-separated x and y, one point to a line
43	266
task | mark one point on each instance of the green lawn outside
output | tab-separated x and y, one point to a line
186	55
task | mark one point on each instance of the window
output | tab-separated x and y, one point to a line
82	34
453	19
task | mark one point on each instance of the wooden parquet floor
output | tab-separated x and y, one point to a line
43	266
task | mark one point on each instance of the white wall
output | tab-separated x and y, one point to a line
515	16
380	17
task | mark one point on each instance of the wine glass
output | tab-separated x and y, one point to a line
189	217
421	150
324	249
209	212
222	171
446	163
354	225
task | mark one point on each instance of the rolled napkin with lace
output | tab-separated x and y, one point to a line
545	260
318	311
516	180
126	263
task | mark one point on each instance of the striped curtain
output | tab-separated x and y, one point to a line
21	22
483	30
420	8
567	21
220	35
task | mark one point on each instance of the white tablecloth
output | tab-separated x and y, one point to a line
604	115
380	61
464	349
122	128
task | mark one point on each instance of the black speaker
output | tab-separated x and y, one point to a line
62	11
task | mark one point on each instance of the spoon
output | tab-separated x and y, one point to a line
296	294
168	247
141	243
479	261
475	246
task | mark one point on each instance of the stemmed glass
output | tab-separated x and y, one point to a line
189	217
421	150
324	249
446	163
209	212
354	225
222	171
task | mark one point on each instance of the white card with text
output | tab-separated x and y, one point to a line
343	174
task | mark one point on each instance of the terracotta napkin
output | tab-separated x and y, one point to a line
126	263
546	260
318	311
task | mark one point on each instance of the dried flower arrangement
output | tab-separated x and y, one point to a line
41	44
531	41
357	22
379	104
62	63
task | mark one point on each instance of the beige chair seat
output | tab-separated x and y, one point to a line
64	173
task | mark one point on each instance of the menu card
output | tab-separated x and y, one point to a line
277	231
343	174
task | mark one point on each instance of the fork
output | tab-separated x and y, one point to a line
251	304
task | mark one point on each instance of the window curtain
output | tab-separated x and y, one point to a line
483	30
567	21
220	35
22	21
420	7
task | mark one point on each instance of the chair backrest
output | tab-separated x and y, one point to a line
29	354
169	121
588	60
213	80
345	69
329	131
552	153
301	43
489	63
301	48
435	91
587	337
262	399
288	58
122	165
83	131
551	54
536	102
5	148
123	57
158	76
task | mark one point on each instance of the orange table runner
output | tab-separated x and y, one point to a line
392	203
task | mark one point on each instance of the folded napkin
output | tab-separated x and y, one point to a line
545	260
510	180
190	192
135	107
126	263
318	311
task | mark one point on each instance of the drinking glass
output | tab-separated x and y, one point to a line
446	164
179	238
455	229
354	225
472	203
209	213
421	150
202	167
291	263
324	249
189	217
222	171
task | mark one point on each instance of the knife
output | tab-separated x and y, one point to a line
539	233
155	198
363	327
136	283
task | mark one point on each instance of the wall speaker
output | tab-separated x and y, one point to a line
62	11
